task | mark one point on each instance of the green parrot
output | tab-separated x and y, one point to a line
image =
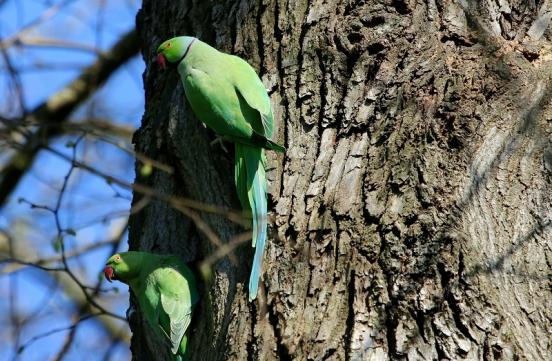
166	293
227	95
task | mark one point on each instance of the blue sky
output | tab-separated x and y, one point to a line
44	70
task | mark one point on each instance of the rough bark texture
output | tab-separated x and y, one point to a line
412	207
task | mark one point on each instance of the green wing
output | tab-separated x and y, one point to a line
178	297
227	95
149	299
216	103
249	86
179	316
168	302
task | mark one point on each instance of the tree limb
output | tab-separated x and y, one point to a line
55	110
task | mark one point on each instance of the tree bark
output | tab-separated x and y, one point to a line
412	206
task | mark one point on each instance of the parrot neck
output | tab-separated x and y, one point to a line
176	63
134	284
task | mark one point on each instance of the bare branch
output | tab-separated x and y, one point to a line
57	108
62	44
14	76
56	330
71	289
45	16
41	262
232	215
93	125
222	251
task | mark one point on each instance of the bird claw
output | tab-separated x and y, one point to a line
219	140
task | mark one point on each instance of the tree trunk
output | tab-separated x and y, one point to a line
412	206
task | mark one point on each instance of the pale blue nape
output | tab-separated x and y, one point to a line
182	43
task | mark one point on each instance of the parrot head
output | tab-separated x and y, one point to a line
123	266
174	50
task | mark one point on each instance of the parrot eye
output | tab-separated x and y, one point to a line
118	259
169	45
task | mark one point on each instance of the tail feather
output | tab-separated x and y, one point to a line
275	146
182	354
240	177
251	186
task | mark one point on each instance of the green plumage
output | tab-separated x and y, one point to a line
166	293
227	95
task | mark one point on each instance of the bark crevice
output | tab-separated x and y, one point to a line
411	208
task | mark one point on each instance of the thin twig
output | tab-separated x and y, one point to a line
58	107
232	215
205	228
224	250
184	205
32	264
55	330
16	81
39	263
46	15
62	44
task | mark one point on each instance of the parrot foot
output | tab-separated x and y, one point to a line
219	140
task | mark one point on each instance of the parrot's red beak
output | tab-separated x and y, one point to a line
108	273
162	61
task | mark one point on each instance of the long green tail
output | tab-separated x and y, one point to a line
251	186
183	354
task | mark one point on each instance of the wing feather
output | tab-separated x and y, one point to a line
249	86
177	297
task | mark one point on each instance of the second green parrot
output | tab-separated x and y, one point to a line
166	291
227	95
